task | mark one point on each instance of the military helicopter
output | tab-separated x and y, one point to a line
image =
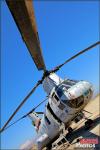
66	97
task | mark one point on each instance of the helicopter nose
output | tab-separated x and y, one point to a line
88	85
88	89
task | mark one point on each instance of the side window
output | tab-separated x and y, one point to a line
61	106
47	120
70	82
59	92
67	87
53	94
55	97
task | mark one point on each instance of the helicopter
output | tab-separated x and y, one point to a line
66	98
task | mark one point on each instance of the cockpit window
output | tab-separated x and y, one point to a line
74	103
64	86
47	120
70	82
55	96
60	90
61	106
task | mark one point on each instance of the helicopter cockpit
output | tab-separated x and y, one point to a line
61	96
65	85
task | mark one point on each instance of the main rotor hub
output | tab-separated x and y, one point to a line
46	73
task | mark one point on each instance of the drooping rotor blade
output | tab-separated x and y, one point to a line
7	127
36	106
73	57
24	116
23	14
21	104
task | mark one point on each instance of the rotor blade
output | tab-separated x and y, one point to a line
73	57
11	124
36	106
24	116
23	14
21	104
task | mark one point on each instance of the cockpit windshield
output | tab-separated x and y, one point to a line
70	82
74	103
64	86
60	94
60	90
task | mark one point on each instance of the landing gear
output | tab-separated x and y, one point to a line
79	117
88	124
70	130
49	147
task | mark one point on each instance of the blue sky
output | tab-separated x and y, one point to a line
64	29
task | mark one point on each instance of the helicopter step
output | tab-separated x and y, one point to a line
61	140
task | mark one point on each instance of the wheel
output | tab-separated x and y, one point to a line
88	123
49	147
70	130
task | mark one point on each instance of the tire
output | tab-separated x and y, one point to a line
49	147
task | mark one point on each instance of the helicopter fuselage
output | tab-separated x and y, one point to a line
66	99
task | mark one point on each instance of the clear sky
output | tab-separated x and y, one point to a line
65	28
